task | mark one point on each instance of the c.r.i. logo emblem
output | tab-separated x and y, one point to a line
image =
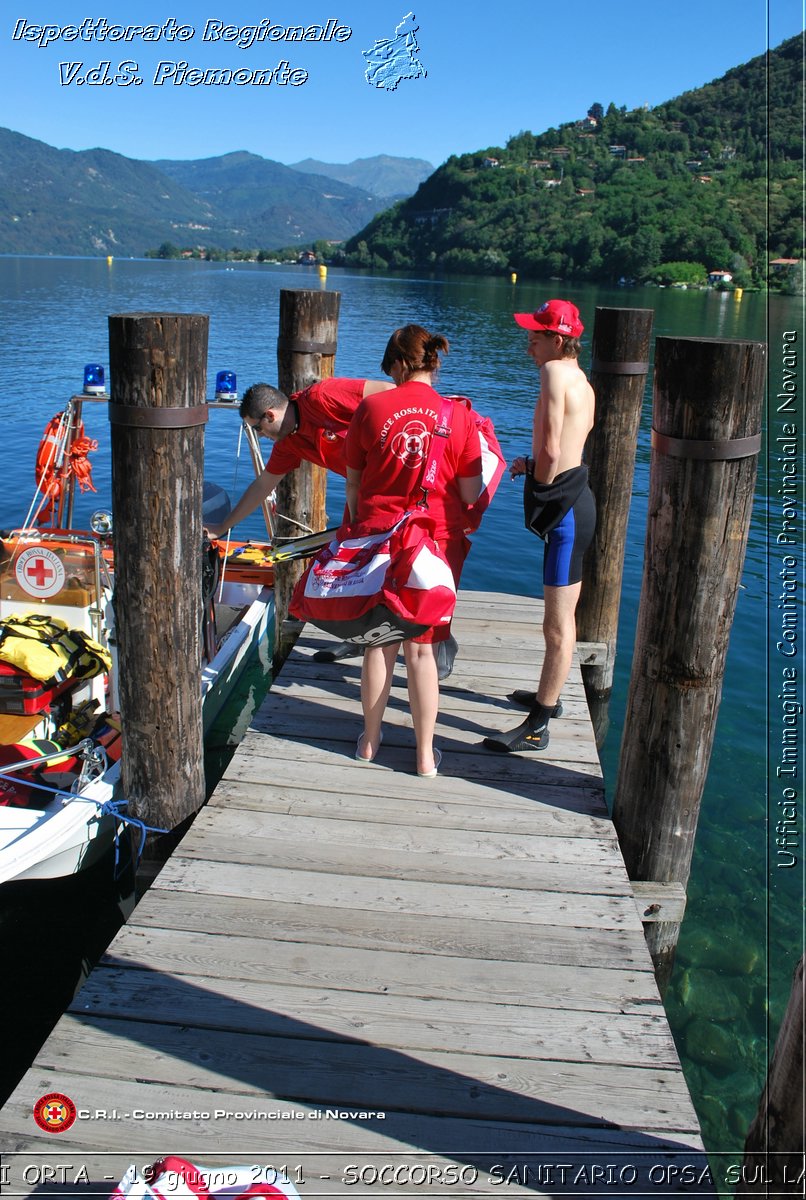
54	1113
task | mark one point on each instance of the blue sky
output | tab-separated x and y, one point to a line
492	70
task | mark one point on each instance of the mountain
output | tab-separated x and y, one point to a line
274	204
384	176
96	202
691	186
88	202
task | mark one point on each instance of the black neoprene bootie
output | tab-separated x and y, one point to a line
531	734
526	699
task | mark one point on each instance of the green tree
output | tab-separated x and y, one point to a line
680	272
169	250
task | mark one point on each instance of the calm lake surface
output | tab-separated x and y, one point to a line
742	934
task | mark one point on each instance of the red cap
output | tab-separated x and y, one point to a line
555	316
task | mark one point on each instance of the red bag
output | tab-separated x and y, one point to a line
493	465
375	588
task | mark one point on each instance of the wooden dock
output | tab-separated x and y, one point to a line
349	970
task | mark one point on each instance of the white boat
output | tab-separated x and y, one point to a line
65	808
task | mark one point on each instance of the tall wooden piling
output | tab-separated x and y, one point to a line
775	1146
306	352
158	366
708	397
619	367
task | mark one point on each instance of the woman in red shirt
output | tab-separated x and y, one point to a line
387	442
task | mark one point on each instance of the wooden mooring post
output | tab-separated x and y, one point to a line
619	366
775	1150
708	396
306	352
157	411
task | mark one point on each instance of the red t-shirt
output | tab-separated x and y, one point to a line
325	410
388	440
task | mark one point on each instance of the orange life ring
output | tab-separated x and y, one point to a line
49	479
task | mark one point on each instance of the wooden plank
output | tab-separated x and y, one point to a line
370	1077
344	781
431	899
385	972
660	901
284	759
398	1137
569	744
398	1022
275	920
500	845
245	788
415	867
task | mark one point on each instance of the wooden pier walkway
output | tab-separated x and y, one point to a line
350	970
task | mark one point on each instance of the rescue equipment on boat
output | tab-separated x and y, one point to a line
52	768
55	462
46	648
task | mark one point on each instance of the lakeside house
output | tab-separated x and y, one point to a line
780	265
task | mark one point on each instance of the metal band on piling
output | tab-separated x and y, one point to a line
299	346
158	418
716	450
619	368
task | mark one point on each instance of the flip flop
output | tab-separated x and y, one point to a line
432	774
359	758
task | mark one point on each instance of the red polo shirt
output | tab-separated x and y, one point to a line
388	441
325	410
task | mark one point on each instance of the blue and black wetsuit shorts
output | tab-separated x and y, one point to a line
567	542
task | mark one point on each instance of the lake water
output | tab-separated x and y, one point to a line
742	934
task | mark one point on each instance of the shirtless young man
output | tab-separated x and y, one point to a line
563	418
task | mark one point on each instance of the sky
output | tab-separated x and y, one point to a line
492	70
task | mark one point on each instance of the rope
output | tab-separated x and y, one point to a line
113	808
229	531
299	524
107	808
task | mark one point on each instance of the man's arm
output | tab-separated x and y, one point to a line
548	424
351	490
254	496
371	386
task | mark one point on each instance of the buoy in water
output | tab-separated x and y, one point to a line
322	271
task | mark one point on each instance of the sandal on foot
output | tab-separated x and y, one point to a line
432	774
359	758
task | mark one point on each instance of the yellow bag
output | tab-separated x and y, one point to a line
46	648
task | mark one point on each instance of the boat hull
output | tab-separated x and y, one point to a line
72	835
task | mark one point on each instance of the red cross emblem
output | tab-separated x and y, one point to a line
40	571
54	1113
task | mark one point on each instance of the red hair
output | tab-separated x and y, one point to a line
415	348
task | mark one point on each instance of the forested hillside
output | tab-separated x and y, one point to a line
669	193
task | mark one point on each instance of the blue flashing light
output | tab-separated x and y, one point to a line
94	379
226	386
